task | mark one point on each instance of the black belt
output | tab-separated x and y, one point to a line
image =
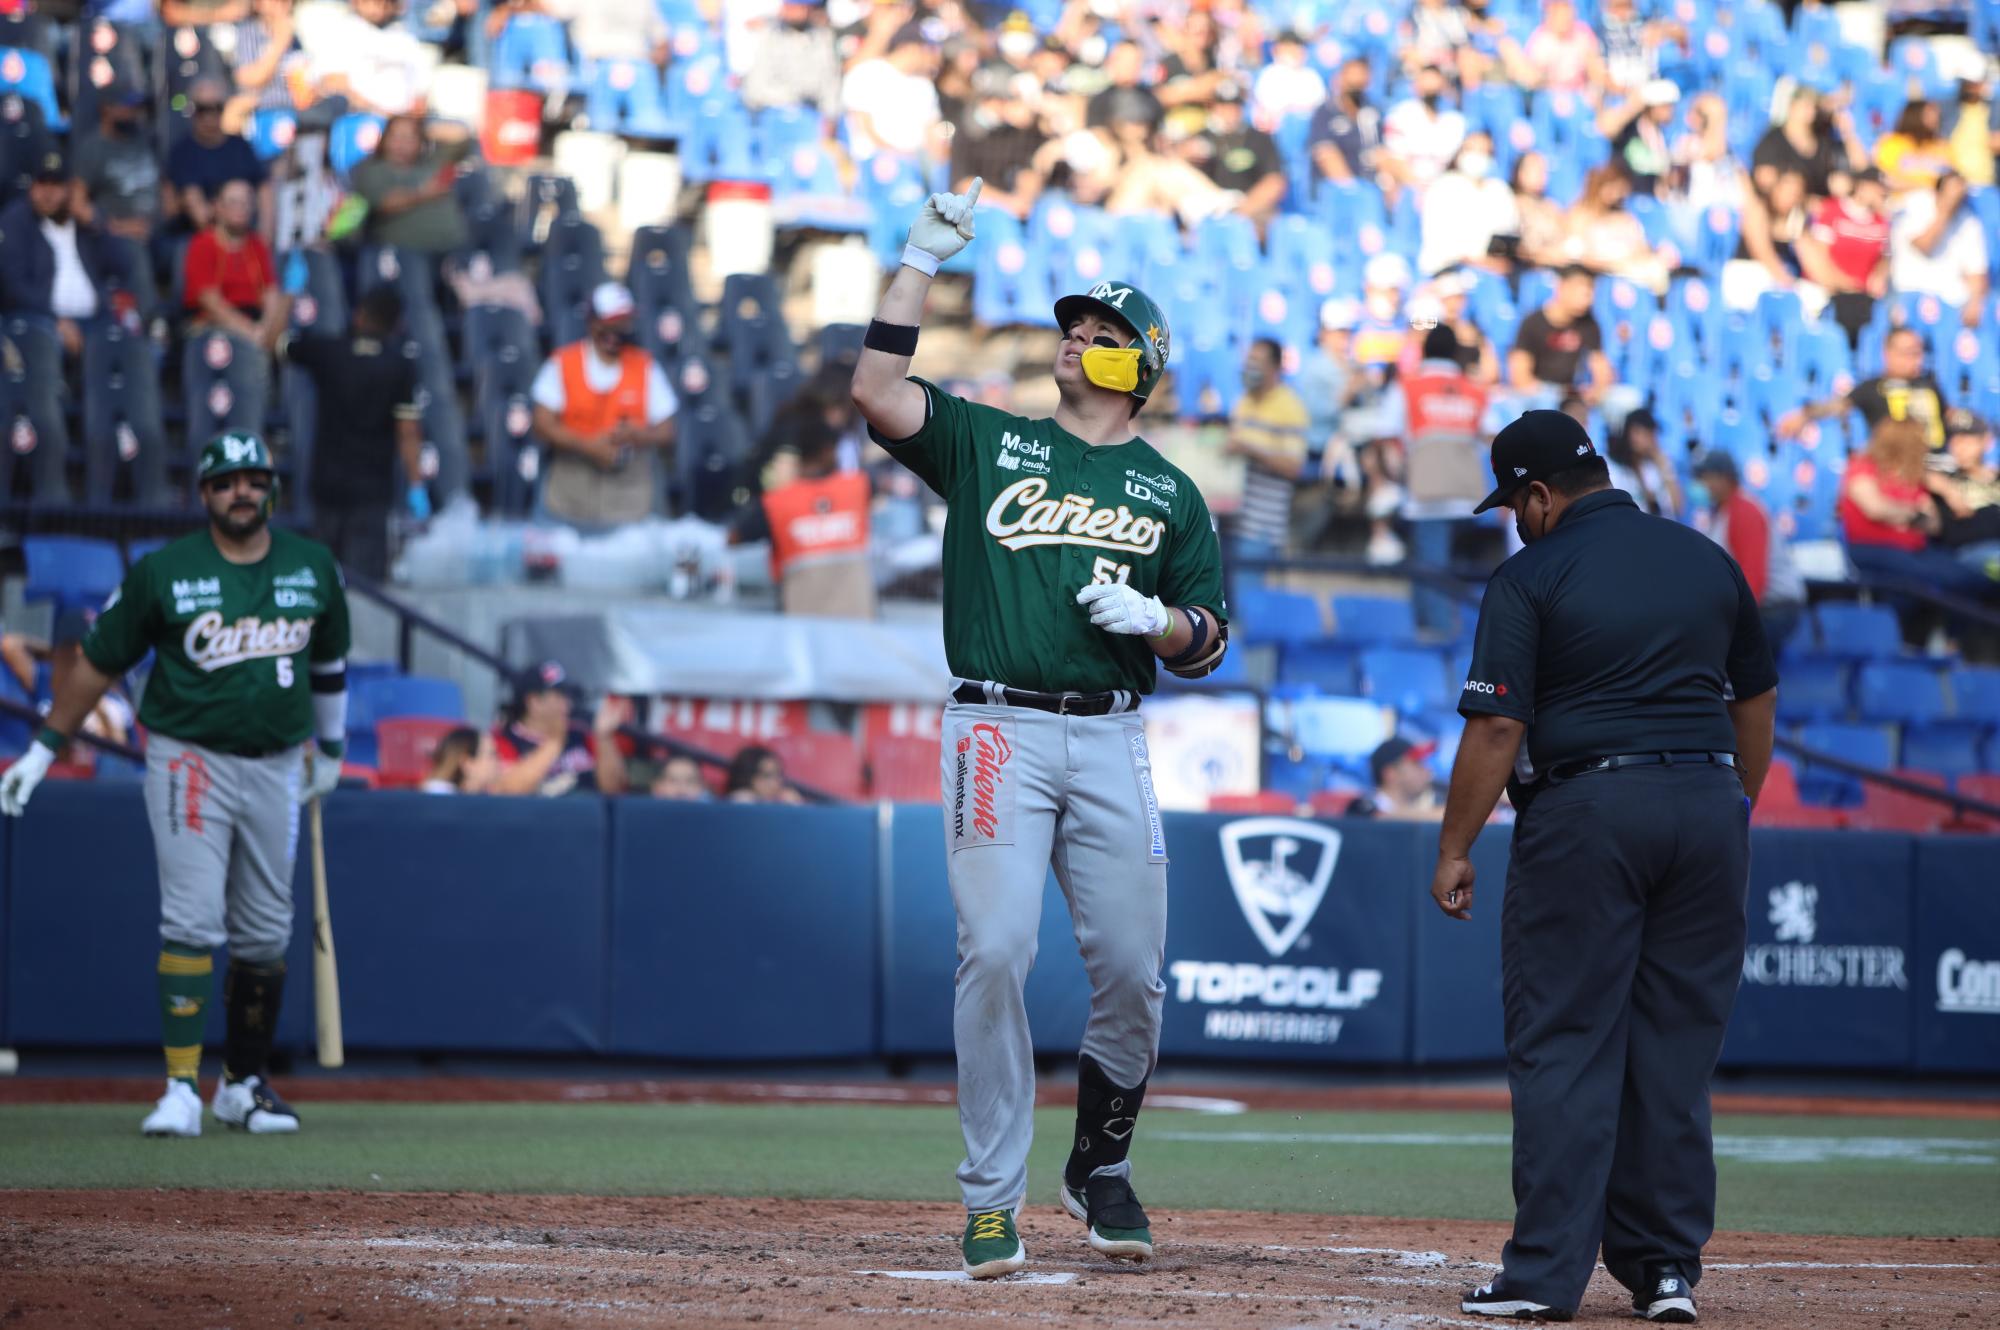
1584	766
1062	704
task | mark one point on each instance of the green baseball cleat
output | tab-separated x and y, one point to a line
992	1246
1118	1226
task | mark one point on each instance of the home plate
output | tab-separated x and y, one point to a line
960	1277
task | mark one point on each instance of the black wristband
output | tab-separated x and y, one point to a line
1198	641
898	339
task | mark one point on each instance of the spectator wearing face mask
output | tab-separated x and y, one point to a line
1467	206
1422	133
1346	133
1267	430
120	168
606	411
1241	158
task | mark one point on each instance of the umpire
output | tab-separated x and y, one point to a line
1629	652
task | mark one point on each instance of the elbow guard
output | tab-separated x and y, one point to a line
1205	651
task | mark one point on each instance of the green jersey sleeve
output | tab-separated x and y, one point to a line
942	452
333	633
128	625
1193	574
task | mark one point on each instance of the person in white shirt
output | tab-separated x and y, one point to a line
1422	134
1288	86
892	102
606	411
1466	207
1936	248
366	55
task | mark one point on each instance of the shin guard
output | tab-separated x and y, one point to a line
1105	1117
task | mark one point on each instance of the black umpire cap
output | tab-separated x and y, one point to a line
1535	447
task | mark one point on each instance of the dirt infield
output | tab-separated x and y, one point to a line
388	1260
1166	1094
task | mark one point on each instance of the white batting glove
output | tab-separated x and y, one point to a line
944	225
20	780
1117	608
322	775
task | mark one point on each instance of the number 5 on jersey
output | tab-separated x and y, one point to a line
1109	570
285	674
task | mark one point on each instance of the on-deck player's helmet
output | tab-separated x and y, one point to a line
238	450
1136	367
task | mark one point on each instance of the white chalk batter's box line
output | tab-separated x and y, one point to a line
1959	1151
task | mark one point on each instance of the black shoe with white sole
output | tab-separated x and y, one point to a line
1665	1297
1496	1299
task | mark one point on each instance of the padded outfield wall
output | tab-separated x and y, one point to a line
717	933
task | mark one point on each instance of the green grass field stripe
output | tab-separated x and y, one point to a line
1804	1175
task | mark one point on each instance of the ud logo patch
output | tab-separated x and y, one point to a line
1279	868
982	789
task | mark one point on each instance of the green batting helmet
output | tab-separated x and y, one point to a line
1138	366
238	450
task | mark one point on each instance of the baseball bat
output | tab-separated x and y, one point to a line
326	977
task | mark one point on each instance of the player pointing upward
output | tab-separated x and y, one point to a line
249	626
1076	558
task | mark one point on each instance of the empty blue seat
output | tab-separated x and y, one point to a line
1342	729
1975	695
625	97
1900	691
353	137
1264	615
1410	681
1814	689
72	571
374	699
1375	620
1949	748
1859	631
1865	745
1325	666
271	131
531	52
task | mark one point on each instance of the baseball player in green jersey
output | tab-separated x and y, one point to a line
249	630
1076	560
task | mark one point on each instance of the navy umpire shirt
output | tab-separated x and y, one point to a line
1618	632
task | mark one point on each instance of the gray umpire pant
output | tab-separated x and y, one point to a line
1024	790
225	830
1621	944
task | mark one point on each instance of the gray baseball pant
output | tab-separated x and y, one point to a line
1024	790
225	829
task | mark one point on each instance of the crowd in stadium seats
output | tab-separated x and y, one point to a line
1744	241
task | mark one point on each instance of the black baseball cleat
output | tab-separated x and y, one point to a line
252	1105
1664	1297
1118	1224
1496	1299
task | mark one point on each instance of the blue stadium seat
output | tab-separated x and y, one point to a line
625	97
1899	691
504	356
352	138
1344	730
136	550
572	267
1866	745
1975	695
711	454
1859	632
1323	666
531	52
1374	620
271	131
1410	681
1814	689
1949	748
16	732
370	700
27	75
73	571
1264	615
1009	287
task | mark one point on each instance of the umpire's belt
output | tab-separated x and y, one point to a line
1108	703
1584	766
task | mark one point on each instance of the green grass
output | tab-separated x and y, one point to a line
1786	1175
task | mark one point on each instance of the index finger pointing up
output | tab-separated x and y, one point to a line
972	195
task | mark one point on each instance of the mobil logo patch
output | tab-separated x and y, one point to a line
1279	868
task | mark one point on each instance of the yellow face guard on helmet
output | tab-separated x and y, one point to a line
1113	368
